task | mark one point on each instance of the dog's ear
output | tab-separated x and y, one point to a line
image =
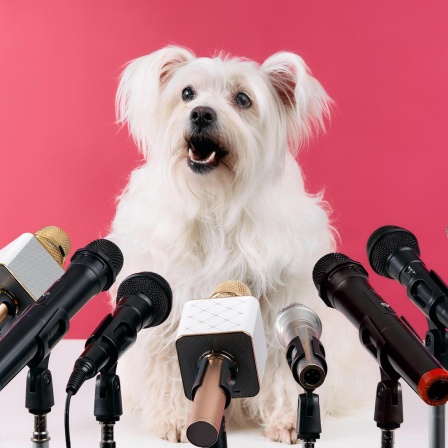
141	85
305	100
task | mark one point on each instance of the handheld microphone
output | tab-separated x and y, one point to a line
143	300
342	284
222	352
35	333
28	267
393	252
298	329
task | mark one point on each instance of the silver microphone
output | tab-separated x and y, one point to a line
298	329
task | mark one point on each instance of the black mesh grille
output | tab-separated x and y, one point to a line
153	286
320	268
384	242
111	250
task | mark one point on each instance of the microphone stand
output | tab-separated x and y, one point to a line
108	408
388	408
308	419
39	401
436	341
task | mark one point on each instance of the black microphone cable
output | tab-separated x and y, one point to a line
67	419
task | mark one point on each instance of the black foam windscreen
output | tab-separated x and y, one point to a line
111	250
321	267
384	242
153	286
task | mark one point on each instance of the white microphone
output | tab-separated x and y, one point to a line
222	353
298	329
29	265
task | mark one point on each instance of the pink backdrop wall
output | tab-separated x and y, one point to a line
383	161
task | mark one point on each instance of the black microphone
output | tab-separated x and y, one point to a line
143	300
393	252
342	284
92	269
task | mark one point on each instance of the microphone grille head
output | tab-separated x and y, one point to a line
56	241
384	242
291	319
153	286
327	261
111	251
230	288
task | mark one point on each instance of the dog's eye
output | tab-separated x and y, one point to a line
188	94
243	100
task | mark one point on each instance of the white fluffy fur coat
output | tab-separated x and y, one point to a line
248	219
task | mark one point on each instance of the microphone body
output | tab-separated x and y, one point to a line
298	329
29	265
393	252
222	353
143	300
342	284
92	269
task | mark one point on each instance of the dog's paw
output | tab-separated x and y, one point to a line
173	432
281	432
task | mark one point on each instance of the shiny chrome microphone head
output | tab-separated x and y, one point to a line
292	319
299	321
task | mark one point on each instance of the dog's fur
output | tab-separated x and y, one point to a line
244	216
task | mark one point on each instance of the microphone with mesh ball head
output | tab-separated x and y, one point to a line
394	252
343	284
143	300
43	324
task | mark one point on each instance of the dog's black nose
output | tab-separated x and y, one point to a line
202	116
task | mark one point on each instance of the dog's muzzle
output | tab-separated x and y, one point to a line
204	150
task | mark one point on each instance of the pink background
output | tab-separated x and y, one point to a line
383	161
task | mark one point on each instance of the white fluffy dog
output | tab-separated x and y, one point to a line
220	196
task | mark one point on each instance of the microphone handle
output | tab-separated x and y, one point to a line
425	288
387	337
44	323
211	395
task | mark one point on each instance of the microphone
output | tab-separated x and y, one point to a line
29	265
35	333
222	353
342	284
143	300
298	329
393	252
